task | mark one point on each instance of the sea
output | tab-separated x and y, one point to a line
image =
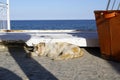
85	25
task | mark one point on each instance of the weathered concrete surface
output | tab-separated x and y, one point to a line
15	66
30	37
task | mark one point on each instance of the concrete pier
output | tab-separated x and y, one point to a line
80	38
15	66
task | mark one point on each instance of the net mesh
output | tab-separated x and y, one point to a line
3	14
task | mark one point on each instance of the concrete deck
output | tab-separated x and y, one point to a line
83	39
15	66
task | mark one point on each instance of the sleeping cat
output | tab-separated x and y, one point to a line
57	51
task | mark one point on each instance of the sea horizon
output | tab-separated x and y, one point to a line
81	24
47	19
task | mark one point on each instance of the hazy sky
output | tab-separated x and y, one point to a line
55	9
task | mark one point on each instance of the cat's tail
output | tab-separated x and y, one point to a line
69	56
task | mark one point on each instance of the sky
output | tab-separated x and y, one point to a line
55	9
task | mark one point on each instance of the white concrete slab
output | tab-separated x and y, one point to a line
83	39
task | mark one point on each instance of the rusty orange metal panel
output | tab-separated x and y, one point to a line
108	27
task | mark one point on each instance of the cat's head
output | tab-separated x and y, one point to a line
38	48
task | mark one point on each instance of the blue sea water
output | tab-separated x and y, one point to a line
53	25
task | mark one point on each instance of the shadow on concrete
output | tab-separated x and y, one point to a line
96	52
5	74
32	69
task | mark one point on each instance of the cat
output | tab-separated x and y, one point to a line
57	51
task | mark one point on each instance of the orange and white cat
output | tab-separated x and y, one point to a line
57	51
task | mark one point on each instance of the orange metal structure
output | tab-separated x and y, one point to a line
108	27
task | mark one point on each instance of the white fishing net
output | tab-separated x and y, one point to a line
3	14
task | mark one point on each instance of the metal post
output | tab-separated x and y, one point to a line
108	4
113	4
8	15
118	6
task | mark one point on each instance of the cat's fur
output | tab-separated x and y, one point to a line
57	51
